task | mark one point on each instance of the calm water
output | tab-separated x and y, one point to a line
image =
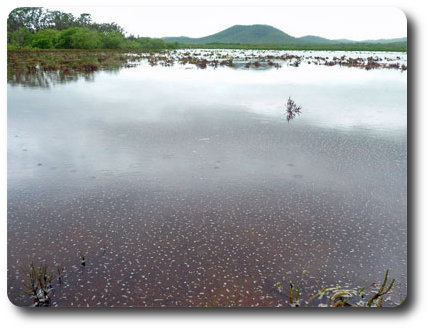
187	187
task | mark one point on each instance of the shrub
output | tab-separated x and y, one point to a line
45	39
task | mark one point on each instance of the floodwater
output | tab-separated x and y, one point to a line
188	187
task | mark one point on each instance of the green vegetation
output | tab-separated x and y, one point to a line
67	61
37	28
294	298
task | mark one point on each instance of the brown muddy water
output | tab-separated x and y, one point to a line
187	187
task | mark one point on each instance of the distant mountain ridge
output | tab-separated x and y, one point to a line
259	34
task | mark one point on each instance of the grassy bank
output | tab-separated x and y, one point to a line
68	61
390	47
156	44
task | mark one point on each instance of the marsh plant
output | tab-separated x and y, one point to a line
292	109
336	296
83	260
60	270
39	285
378	297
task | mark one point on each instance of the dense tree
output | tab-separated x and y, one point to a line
37	18
84	20
45	39
86	39
112	40
21	37
64	39
58	20
41	28
29	17
107	28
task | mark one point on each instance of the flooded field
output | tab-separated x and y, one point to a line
185	185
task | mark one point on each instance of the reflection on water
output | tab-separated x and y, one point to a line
187	187
45	79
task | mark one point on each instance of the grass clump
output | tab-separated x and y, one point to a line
39	285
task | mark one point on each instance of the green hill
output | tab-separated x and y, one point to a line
259	34
314	39
386	41
242	34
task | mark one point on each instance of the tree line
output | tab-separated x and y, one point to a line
36	27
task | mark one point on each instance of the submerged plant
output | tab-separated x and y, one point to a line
338	296
292	109
39	285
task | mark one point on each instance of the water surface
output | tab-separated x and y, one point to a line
187	187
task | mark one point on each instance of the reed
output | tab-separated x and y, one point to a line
38	285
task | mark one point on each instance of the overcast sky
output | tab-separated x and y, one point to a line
359	23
